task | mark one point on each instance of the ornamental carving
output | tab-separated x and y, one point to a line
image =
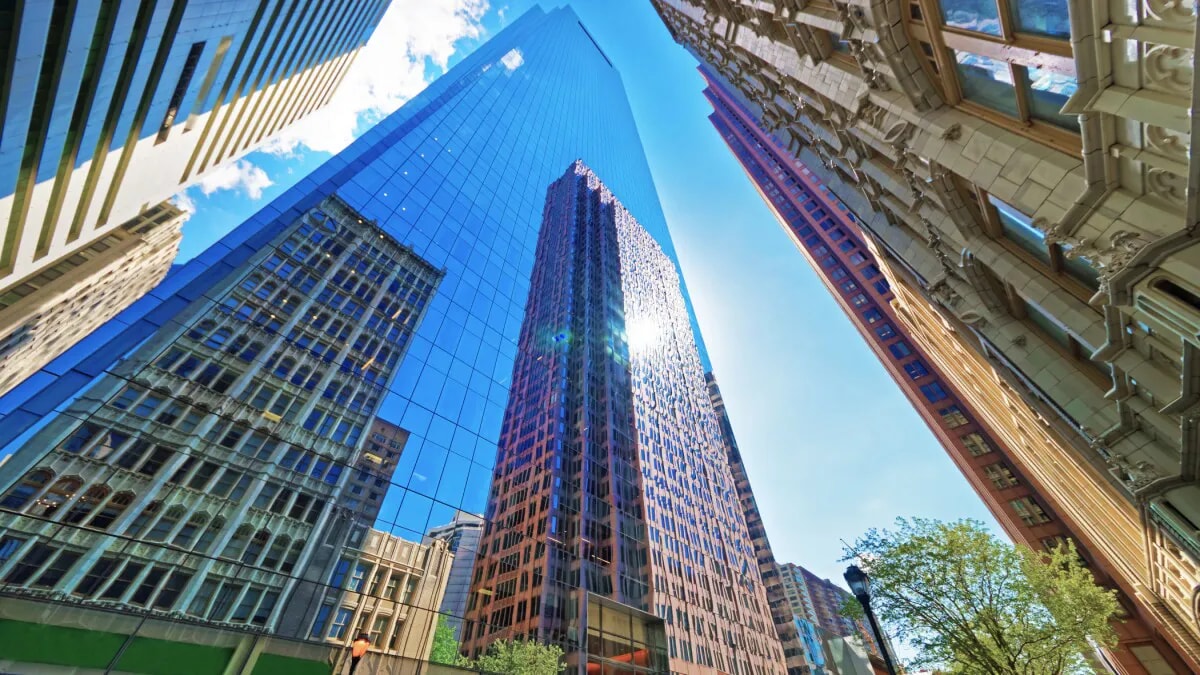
1108	260
1135	475
944	293
1167	142
1169	69
1167	185
1172	11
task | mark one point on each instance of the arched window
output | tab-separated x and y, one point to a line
293	555
285	366
252	282
203	328
112	510
275	554
209	535
250	353
344	395
56	496
255	548
301	374
142	521
358	401
218	338
83	508
266	290
166	524
237	542
22	492
187	533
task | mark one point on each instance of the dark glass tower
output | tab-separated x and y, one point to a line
451	187
612	479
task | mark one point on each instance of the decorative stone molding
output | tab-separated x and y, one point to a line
1169	69
1167	142
952	132
1123	245
1134	475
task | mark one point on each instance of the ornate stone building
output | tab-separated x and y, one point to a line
197	478
1021	170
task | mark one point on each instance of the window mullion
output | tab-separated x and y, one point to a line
1020	78
1007	29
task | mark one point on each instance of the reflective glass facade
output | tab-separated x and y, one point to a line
457	179
612	476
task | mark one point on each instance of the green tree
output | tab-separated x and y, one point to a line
972	604
519	657
445	647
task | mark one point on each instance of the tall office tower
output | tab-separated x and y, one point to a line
1023	166
768	569
459	176
109	108
611	478
994	460
199	476
390	589
461	535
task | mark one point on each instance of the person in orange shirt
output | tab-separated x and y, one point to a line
357	649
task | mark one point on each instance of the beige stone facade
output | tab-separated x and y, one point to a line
391	590
52	310
1030	181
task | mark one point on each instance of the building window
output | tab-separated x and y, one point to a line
916	370
934	392
1007	61
1098	371
885	332
976	444
1000	475
900	350
1005	223
953	417
340	621
1029	511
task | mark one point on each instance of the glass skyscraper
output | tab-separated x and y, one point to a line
612	480
157	464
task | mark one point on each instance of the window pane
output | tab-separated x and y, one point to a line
1047	325
1041	17
987	82
1048	93
981	16
1019	229
1081	270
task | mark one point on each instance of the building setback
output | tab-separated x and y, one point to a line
781	612
612	478
991	457
109	108
462	539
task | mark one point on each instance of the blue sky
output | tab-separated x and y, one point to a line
832	446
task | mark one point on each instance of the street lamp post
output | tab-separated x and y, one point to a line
860	585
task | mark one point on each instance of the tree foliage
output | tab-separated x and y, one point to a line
519	657
445	647
972	604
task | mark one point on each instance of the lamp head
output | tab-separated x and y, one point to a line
860	583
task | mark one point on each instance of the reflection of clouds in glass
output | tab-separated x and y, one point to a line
1054	83
981	16
997	70
512	60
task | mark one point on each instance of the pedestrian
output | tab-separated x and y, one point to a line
357	649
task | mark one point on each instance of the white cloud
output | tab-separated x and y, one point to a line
239	175
388	71
512	60
182	200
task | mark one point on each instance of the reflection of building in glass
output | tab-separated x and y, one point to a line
612	478
777	602
462	539
388	588
49	311
198	477
987	452
1049	266
459	175
818	601
110	108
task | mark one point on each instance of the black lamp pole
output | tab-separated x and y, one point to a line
860	585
